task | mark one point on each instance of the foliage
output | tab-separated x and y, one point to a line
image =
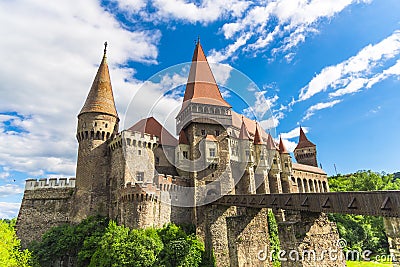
10	250
99	242
274	238
362	232
70	241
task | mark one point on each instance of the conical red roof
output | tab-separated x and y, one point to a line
201	86
100	98
270	143
303	140
257	137
244	134
282	148
182	138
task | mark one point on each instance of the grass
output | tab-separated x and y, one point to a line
368	264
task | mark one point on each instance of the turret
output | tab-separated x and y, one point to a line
182	161
245	169
288	184
97	125
305	151
275	171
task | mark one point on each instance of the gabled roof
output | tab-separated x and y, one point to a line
153	127
282	148
182	138
201	86
257	137
211	137
303	141
244	134
100	98
307	168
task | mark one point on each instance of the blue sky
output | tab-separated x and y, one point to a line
331	66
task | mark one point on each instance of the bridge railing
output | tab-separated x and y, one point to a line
375	203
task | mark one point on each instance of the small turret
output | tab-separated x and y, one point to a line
288	184
305	151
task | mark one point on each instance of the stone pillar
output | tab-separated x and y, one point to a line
392	228
309	239
248	239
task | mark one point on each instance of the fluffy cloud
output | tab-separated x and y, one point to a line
357	72
53	50
323	105
9	210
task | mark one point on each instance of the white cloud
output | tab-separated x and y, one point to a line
323	105
356	72
294	133
10	189
287	23
9	210
53	51
4	175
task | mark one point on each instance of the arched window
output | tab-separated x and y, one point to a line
300	185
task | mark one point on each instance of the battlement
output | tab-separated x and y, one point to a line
133	138
32	184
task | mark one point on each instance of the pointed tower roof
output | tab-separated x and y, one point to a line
182	138
201	86
244	133
303	140
270	143
257	137
282	148
100	98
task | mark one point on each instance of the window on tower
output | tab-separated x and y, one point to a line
140	176
185	154
203	132
212	152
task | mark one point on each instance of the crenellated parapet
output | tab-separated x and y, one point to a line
134	139
33	184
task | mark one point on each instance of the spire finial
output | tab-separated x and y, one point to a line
105	48
198	39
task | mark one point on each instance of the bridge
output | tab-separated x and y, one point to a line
375	203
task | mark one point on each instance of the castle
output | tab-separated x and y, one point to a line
144	176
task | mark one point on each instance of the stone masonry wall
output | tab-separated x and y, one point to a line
42	209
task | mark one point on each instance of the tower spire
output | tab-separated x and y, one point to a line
282	148
244	133
100	98
257	136
303	140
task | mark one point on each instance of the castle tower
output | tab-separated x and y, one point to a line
261	163
274	175
288	185
204	118
305	151
245	169
97	124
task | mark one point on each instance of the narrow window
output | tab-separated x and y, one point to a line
157	160
140	176
185	154
212	152
217	133
203	132
139	152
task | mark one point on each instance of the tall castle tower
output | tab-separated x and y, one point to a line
306	151
97	124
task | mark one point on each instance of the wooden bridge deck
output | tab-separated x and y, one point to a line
375	203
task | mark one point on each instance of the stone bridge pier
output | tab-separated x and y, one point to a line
392	229
309	239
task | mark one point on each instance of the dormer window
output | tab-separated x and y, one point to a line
203	132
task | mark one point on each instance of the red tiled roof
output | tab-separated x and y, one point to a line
201	86
211	137
282	148
270	143
303	140
307	168
257	137
153	127
100	98
244	134
182	138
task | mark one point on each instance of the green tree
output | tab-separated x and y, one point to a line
363	232
11	254
123	247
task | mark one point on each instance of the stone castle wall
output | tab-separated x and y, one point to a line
46	203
